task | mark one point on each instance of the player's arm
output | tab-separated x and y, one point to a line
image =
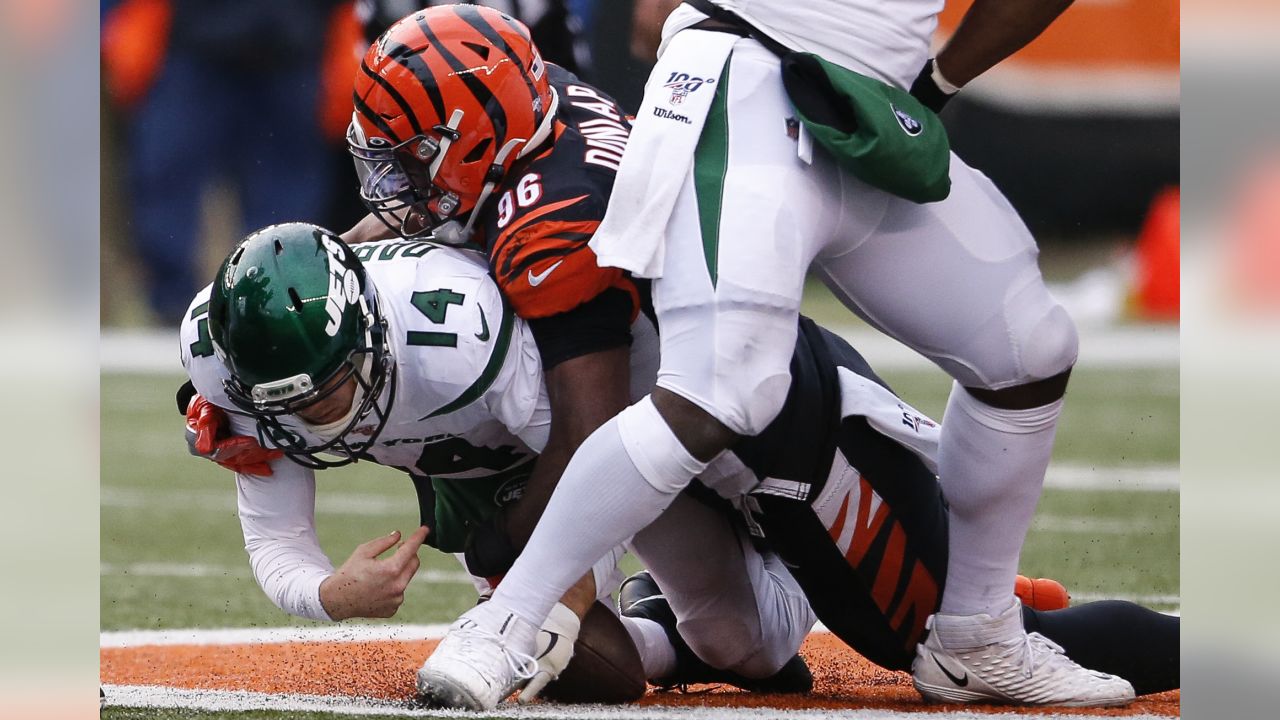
585	392
277	516
991	31
585	356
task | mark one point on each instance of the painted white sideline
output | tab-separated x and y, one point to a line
230	701
253	636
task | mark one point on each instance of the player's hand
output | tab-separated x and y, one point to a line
208	436
366	586
554	649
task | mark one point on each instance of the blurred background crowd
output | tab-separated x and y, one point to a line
220	116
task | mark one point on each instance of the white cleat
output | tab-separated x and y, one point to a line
480	661
980	658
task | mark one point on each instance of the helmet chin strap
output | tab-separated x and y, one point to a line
447	134
544	129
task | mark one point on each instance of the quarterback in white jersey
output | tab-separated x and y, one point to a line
443	382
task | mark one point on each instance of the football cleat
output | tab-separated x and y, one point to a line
1041	593
640	597
980	658
480	661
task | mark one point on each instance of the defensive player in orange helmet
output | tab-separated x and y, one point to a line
443	109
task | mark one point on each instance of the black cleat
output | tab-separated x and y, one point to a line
640	597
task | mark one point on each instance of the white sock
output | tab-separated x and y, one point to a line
991	464
622	477
657	654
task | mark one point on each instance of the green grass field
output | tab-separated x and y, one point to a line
172	553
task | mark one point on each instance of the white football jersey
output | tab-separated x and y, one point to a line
469	402
884	39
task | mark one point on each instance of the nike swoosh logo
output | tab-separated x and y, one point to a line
555	638
536	280
959	681
483	335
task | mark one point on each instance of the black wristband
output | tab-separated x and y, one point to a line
489	550
927	91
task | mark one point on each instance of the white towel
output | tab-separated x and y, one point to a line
660	151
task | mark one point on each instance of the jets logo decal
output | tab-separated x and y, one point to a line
909	124
344	287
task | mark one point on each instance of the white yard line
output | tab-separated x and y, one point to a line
1162	600
1123	347
1089	525
231	701
1154	478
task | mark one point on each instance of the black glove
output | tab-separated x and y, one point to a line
489	551
926	89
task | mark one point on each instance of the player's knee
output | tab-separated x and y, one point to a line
1051	346
725	643
1041	343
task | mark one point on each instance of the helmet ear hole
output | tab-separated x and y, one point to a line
477	48
293	295
478	151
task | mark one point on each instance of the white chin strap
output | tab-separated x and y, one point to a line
548	121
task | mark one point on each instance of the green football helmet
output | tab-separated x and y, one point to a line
293	316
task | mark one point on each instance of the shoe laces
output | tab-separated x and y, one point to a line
1039	651
523	666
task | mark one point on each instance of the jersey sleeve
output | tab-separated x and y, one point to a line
542	262
277	517
277	513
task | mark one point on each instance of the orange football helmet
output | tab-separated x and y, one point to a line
446	100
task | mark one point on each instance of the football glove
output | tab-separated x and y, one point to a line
931	89
554	650
208	436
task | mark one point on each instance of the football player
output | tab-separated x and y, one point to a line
724	201
405	354
462	132
331	359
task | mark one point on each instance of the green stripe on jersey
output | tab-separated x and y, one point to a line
490	373
710	162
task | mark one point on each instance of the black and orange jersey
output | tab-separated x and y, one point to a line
538	224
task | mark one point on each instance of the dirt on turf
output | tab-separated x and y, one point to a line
384	670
